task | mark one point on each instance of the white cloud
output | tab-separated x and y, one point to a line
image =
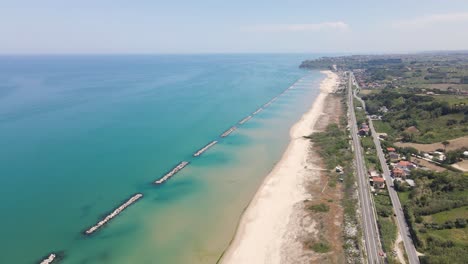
315	27
430	20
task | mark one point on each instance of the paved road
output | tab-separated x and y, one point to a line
369	224
402	226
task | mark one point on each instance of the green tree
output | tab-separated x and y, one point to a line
445	143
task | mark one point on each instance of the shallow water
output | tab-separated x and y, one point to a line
80	134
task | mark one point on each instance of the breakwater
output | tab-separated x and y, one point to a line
205	148
56	257
245	119
229	131
171	173
257	111
49	259
114	213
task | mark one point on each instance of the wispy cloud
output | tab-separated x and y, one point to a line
430	20
314	27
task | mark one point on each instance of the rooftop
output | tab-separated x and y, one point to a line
378	179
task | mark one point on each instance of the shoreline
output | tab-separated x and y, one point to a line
263	227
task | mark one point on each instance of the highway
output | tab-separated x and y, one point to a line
369	223
402	226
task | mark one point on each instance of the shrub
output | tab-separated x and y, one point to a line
320	207
321	247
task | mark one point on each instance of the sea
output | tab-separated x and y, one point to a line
80	134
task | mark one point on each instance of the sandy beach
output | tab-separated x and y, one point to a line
265	234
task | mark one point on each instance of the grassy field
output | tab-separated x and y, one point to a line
383	127
451	99
453	214
387	226
437	210
404	197
357	103
388	233
367	143
361	117
459	236
437	130
367	91
419	118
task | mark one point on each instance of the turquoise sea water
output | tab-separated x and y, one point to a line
80	134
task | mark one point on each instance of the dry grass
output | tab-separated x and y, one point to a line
454	144
445	86
366	91
462	165
329	222
428	165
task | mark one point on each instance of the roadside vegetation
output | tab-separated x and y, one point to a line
419	107
383	205
436	210
334	148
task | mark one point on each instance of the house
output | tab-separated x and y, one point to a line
364	131
378	182
410	182
428	156
394	156
404	164
398	173
390	149
374	174
440	155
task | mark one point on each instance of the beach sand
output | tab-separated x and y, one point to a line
268	232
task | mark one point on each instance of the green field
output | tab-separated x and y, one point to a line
451	99
418	118
367	143
436	210
451	215
459	236
383	127
404	197
388	234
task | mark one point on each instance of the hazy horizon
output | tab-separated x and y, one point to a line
210	27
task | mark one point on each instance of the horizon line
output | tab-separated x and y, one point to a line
229	53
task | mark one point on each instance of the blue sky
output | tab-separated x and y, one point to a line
208	26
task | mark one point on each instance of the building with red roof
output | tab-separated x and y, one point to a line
398	173
378	182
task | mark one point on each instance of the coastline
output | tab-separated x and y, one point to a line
263	230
